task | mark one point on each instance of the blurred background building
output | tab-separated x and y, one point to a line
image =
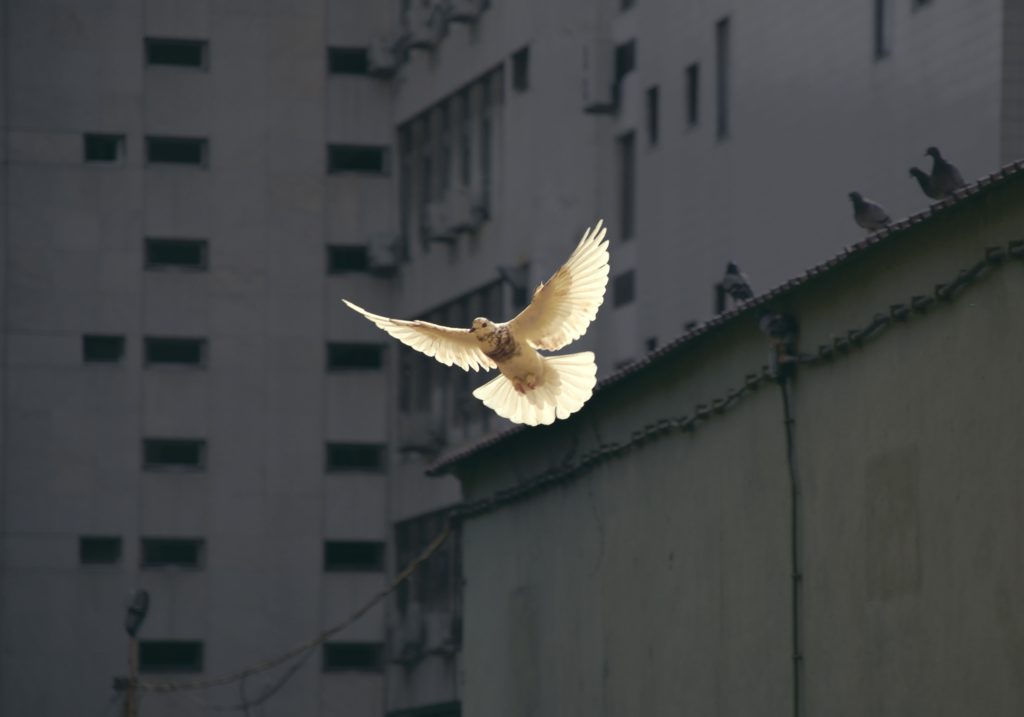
188	188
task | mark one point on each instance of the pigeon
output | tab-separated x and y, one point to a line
925	181
735	285
945	178
531	389
868	214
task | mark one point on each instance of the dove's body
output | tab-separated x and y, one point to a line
532	389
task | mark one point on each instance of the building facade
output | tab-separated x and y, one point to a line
189	188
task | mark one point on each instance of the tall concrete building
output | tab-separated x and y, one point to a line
189	188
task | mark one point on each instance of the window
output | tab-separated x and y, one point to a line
722	78
175	352
652	115
521	70
176	150
356	158
102	349
353	556
95	550
170	656
434	584
881	29
103	147
692	95
625	62
355	457
176	254
342	356
177	53
348	60
173	453
623	289
357	656
172	552
627	190
343	259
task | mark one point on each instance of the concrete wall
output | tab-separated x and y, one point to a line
659	581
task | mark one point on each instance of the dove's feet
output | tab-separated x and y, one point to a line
531	381
518	386
523	386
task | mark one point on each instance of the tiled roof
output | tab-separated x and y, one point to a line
750	306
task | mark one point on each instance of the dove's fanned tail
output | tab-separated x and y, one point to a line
567	384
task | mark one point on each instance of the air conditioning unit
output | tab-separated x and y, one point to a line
426	24
438	222
463	10
460	212
384	252
598	76
383	56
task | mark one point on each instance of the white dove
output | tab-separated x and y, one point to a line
531	389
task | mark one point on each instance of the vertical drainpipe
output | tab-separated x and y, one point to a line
795	535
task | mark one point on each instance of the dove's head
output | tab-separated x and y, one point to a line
856	197
483	328
933	152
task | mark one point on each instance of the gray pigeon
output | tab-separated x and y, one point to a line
946	178
925	181
868	214
735	285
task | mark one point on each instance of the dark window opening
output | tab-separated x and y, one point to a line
102	349
176	150
357	656
355	158
521	70
722	77
177	453
652	115
170	656
692	95
354	356
881	29
355	457
348	60
627	189
176	254
168	552
353	556
99	550
623	289
103	147
343	259
178	53
625	62
918	4
175	352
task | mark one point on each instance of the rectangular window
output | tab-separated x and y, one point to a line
623	289
358	556
627	189
170	656
103	147
521	70
881	29
345	356
177	53
353	656
357	158
102	349
344	259
96	550
652	115
692	95
348	60
172	552
722	78
625	62
187	254
175	352
176	150
355	457
173	454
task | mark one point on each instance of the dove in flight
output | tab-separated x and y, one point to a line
531	389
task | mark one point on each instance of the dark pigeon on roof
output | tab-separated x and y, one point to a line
945	177
925	182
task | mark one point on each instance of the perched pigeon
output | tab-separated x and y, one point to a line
945	178
735	285
868	214
532	388
925	181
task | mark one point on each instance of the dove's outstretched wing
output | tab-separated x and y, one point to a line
563	307
449	346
